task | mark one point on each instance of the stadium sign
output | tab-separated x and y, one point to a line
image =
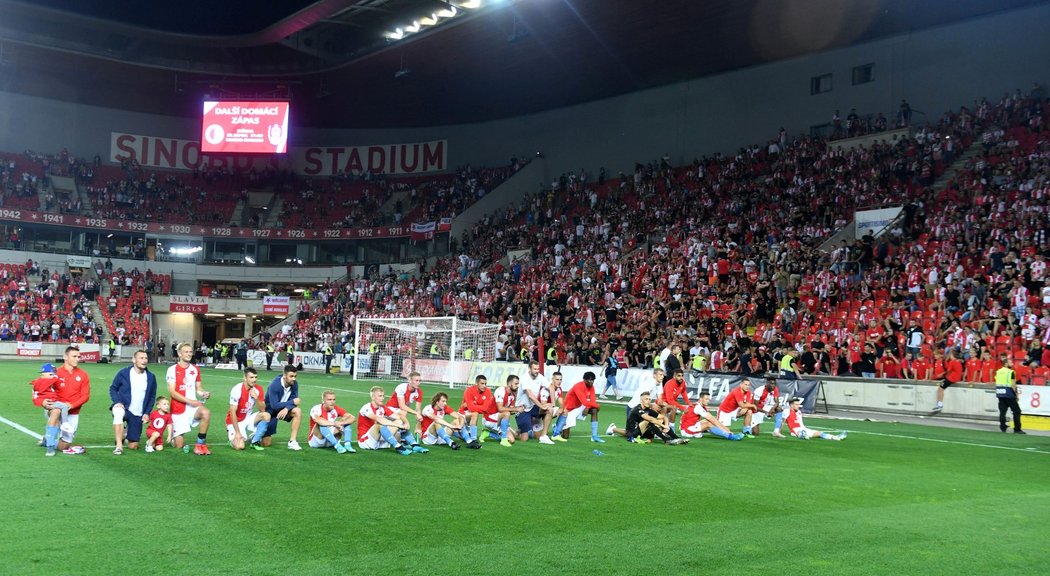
1035	400
190	304
29	349
175	154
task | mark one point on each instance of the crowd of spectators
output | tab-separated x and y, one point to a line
722	256
41	305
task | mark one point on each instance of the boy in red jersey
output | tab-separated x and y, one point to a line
436	429
330	425
242	418
798	426
159	426
953	374
45	393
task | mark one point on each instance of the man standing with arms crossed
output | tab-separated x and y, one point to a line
282	402
187	412
133	392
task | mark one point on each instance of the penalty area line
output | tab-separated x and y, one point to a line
960	443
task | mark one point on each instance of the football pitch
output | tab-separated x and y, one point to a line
890	499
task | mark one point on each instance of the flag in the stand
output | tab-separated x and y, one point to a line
445	224
424	231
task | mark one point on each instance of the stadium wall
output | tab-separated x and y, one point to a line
934	69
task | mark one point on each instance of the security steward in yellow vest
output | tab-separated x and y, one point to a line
1006	392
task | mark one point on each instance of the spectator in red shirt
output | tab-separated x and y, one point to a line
953	374
888	366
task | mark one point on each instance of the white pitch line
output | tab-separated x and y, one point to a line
1028	450
20	428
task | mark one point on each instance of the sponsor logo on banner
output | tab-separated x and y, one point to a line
445	224
191	304
876	220
424	231
29	348
90	352
78	261
276	305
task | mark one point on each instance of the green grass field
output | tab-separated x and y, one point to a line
887	500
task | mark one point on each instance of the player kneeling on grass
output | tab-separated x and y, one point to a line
158	431
330	425
798	427
187	401
698	420
242	419
646	422
579	401
498	420
436	429
379	426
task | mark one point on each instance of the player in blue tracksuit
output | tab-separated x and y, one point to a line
282	402
133	393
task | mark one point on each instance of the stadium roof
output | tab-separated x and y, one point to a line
507	58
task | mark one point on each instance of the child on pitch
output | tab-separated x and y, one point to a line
159	430
798	427
44	395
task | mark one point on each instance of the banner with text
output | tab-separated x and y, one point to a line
29	348
876	220
90	352
1034	399
175	154
276	305
191	304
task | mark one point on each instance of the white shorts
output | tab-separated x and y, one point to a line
68	427
492	426
757	418
246	426
809	433
316	442
182	423
573	415
693	431
370	443
727	418
431	440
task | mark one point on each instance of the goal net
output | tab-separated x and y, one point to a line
441	349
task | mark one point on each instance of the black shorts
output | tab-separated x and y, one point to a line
946	384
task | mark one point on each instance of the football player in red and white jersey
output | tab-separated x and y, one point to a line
242	418
767	402
739	403
503	411
580	400
330	425
408	398
697	420
159	426
477	401
436	429
798	426
379	426
187	412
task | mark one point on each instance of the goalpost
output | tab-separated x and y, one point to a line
441	349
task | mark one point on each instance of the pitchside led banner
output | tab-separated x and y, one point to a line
245	127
